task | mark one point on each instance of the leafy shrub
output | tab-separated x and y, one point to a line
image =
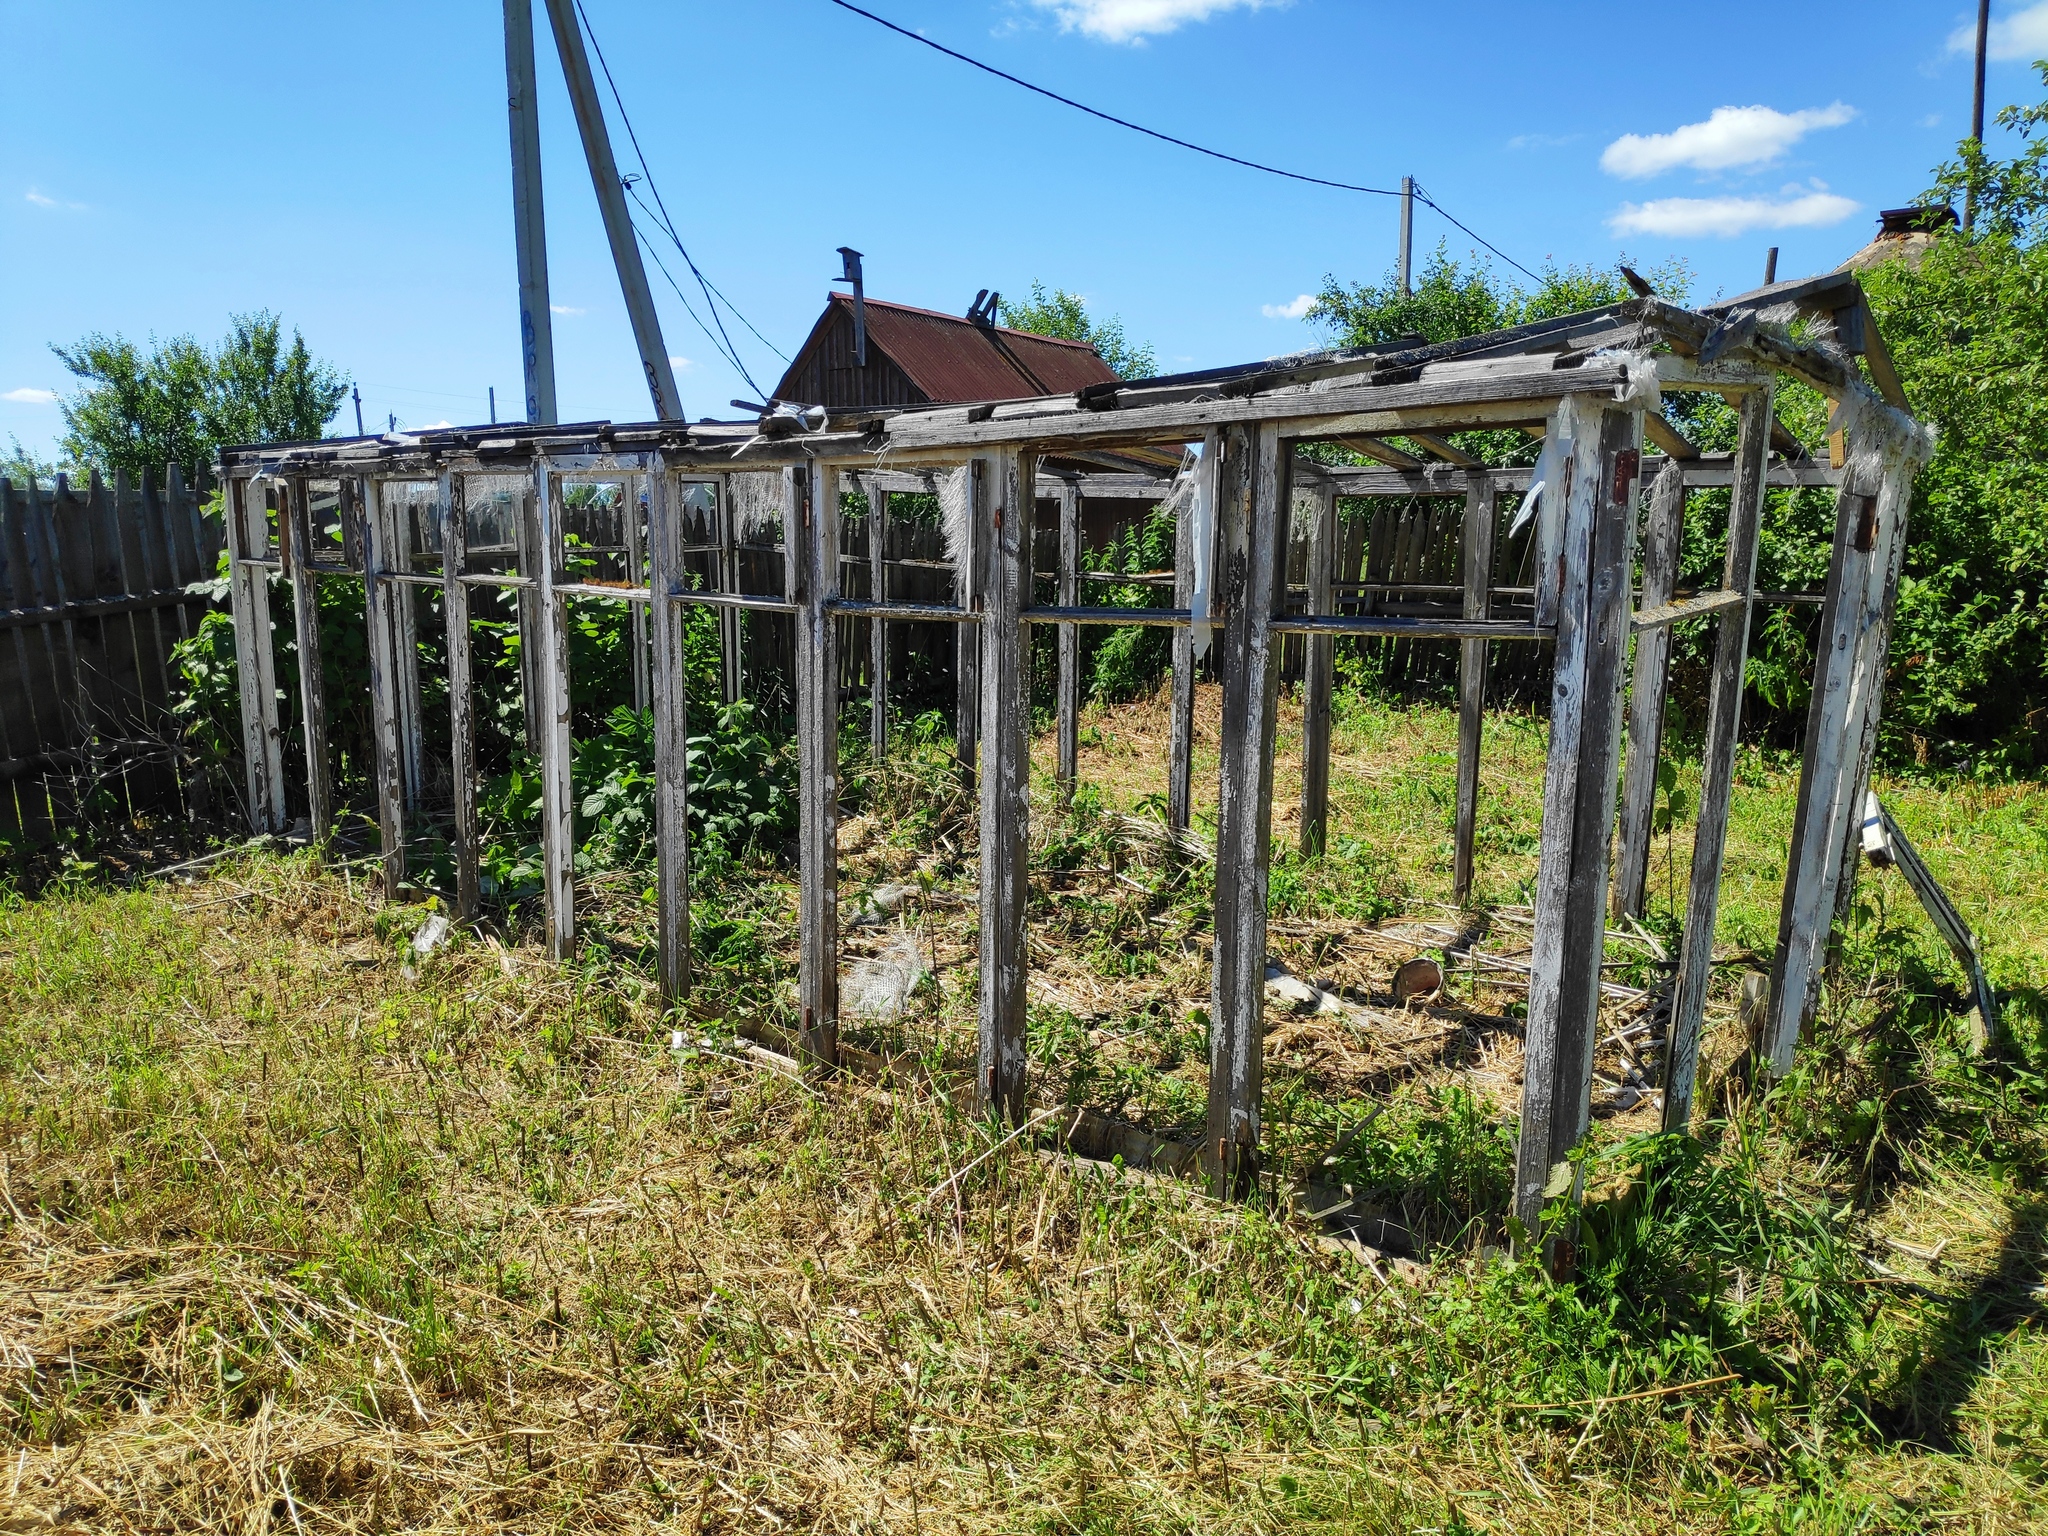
741	795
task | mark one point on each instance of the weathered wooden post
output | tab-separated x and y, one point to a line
1069	643
671	732
1253	492
557	746
255	666
1005	509
297	549
1717	765
1596	468
1662	535
811	537
1318	673
1887	449
461	696
378	594
1478	604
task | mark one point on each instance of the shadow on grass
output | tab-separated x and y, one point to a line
1960	1340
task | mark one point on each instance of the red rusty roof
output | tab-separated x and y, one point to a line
952	360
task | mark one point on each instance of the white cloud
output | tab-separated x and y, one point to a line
1543	140
31	396
1132	21
1293	309
567	309
2022	35
680	363
44	200
1730	137
1685	217
434	426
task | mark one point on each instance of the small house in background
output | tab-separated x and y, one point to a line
921	357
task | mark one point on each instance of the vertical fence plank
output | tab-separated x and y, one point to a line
732	670
36	657
120	575
1648	679
134	512
557	746
405	643
1595	524
160	560
377	605
878	632
636	573
66	721
1477	562
531	685
1717	762
811	536
1069	644
1252	505
1318	669
1007	515
671	733
249	586
296	545
461	693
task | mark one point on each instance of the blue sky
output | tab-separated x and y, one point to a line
346	165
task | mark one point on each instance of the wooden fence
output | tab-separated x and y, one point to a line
99	587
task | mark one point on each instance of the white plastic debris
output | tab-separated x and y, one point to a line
1291	992
431	934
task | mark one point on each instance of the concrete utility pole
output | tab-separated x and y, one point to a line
1407	234
1977	106
611	201
529	224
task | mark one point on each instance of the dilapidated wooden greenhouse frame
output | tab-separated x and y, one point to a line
1590	384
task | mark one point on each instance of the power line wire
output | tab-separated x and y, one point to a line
1424	197
730	352
1078	106
1154	133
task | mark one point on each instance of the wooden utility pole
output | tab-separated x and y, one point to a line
529	223
611	201
1407	234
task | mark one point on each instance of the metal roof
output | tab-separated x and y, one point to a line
953	361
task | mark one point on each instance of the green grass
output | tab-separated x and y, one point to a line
294	1239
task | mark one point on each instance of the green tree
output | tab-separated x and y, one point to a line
1452	300
1066	316
1967	325
180	403
23	465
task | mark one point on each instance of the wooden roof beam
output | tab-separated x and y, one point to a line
1669	438
1379	452
1448	451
